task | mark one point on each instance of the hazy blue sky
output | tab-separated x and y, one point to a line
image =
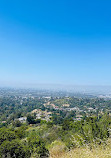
61	41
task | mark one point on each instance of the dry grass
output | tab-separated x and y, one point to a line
57	149
83	152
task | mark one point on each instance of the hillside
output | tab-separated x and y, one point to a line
54	127
103	151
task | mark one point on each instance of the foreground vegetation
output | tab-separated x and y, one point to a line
45	139
98	151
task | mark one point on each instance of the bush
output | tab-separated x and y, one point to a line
14	149
37	146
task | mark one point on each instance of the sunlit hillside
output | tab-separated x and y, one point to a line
103	151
